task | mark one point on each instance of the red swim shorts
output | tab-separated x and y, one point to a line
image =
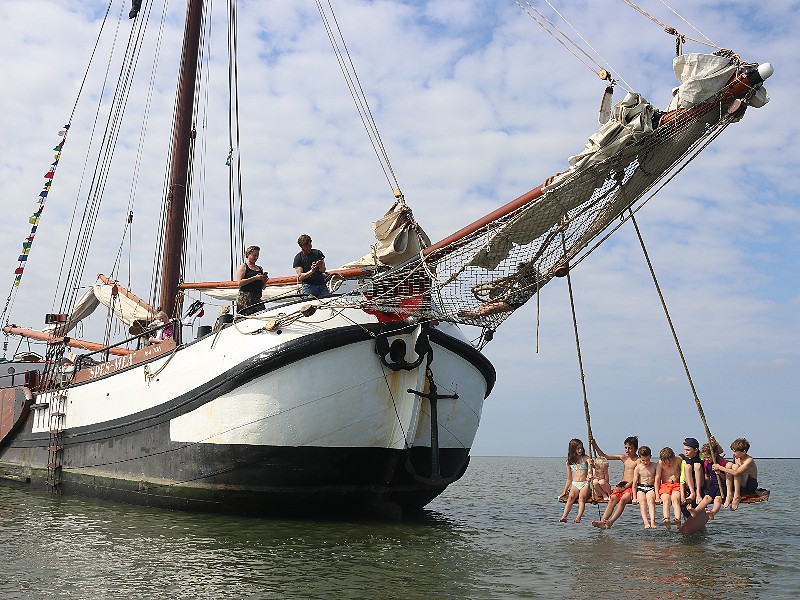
619	495
668	488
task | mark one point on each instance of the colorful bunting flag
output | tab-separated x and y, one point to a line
34	218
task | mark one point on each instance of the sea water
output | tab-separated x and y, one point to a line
494	534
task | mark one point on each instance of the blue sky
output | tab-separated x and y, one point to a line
476	105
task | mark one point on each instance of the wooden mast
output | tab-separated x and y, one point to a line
181	144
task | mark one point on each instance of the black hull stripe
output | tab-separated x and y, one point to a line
263	363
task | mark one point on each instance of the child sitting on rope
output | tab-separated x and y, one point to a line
668	485
742	474
644	489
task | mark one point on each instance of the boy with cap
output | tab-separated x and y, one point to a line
693	470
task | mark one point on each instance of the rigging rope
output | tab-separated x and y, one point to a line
357	93
235	193
674	335
563	39
670	30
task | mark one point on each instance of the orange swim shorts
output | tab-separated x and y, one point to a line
619	494
668	488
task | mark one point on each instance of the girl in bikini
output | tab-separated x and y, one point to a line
577	484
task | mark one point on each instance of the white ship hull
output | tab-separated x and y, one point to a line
304	417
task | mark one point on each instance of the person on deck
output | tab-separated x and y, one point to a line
669	486
164	331
577	484
309	264
644	491
622	493
252	280
742	475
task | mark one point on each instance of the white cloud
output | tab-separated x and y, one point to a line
476	105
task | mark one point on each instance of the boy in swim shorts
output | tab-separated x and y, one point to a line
623	492
668	485
742	474
644	482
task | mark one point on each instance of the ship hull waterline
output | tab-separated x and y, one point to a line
311	424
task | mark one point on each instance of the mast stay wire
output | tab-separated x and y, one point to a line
585	41
12	295
682	18
357	93
102	167
563	39
235	193
671	30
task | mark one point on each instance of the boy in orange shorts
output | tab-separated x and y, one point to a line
668	484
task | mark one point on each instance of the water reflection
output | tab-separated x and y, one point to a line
105	550
495	534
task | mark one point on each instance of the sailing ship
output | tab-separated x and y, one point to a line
366	401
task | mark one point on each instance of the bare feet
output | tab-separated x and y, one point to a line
735	503
562	520
710	513
665	521
577	520
601	524
676	521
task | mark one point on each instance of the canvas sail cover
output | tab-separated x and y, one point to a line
399	237
124	306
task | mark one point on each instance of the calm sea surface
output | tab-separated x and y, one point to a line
494	534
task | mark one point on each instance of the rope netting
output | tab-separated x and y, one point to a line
482	277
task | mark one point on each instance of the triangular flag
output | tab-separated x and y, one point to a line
62	133
33	230
22	257
19	270
50	174
16	280
26	246
47	184
26	250
43	194
33	220
30	238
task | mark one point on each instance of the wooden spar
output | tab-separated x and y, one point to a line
67	341
484	221
181	142
738	87
352	273
127	294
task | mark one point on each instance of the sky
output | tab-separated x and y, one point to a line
476	105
